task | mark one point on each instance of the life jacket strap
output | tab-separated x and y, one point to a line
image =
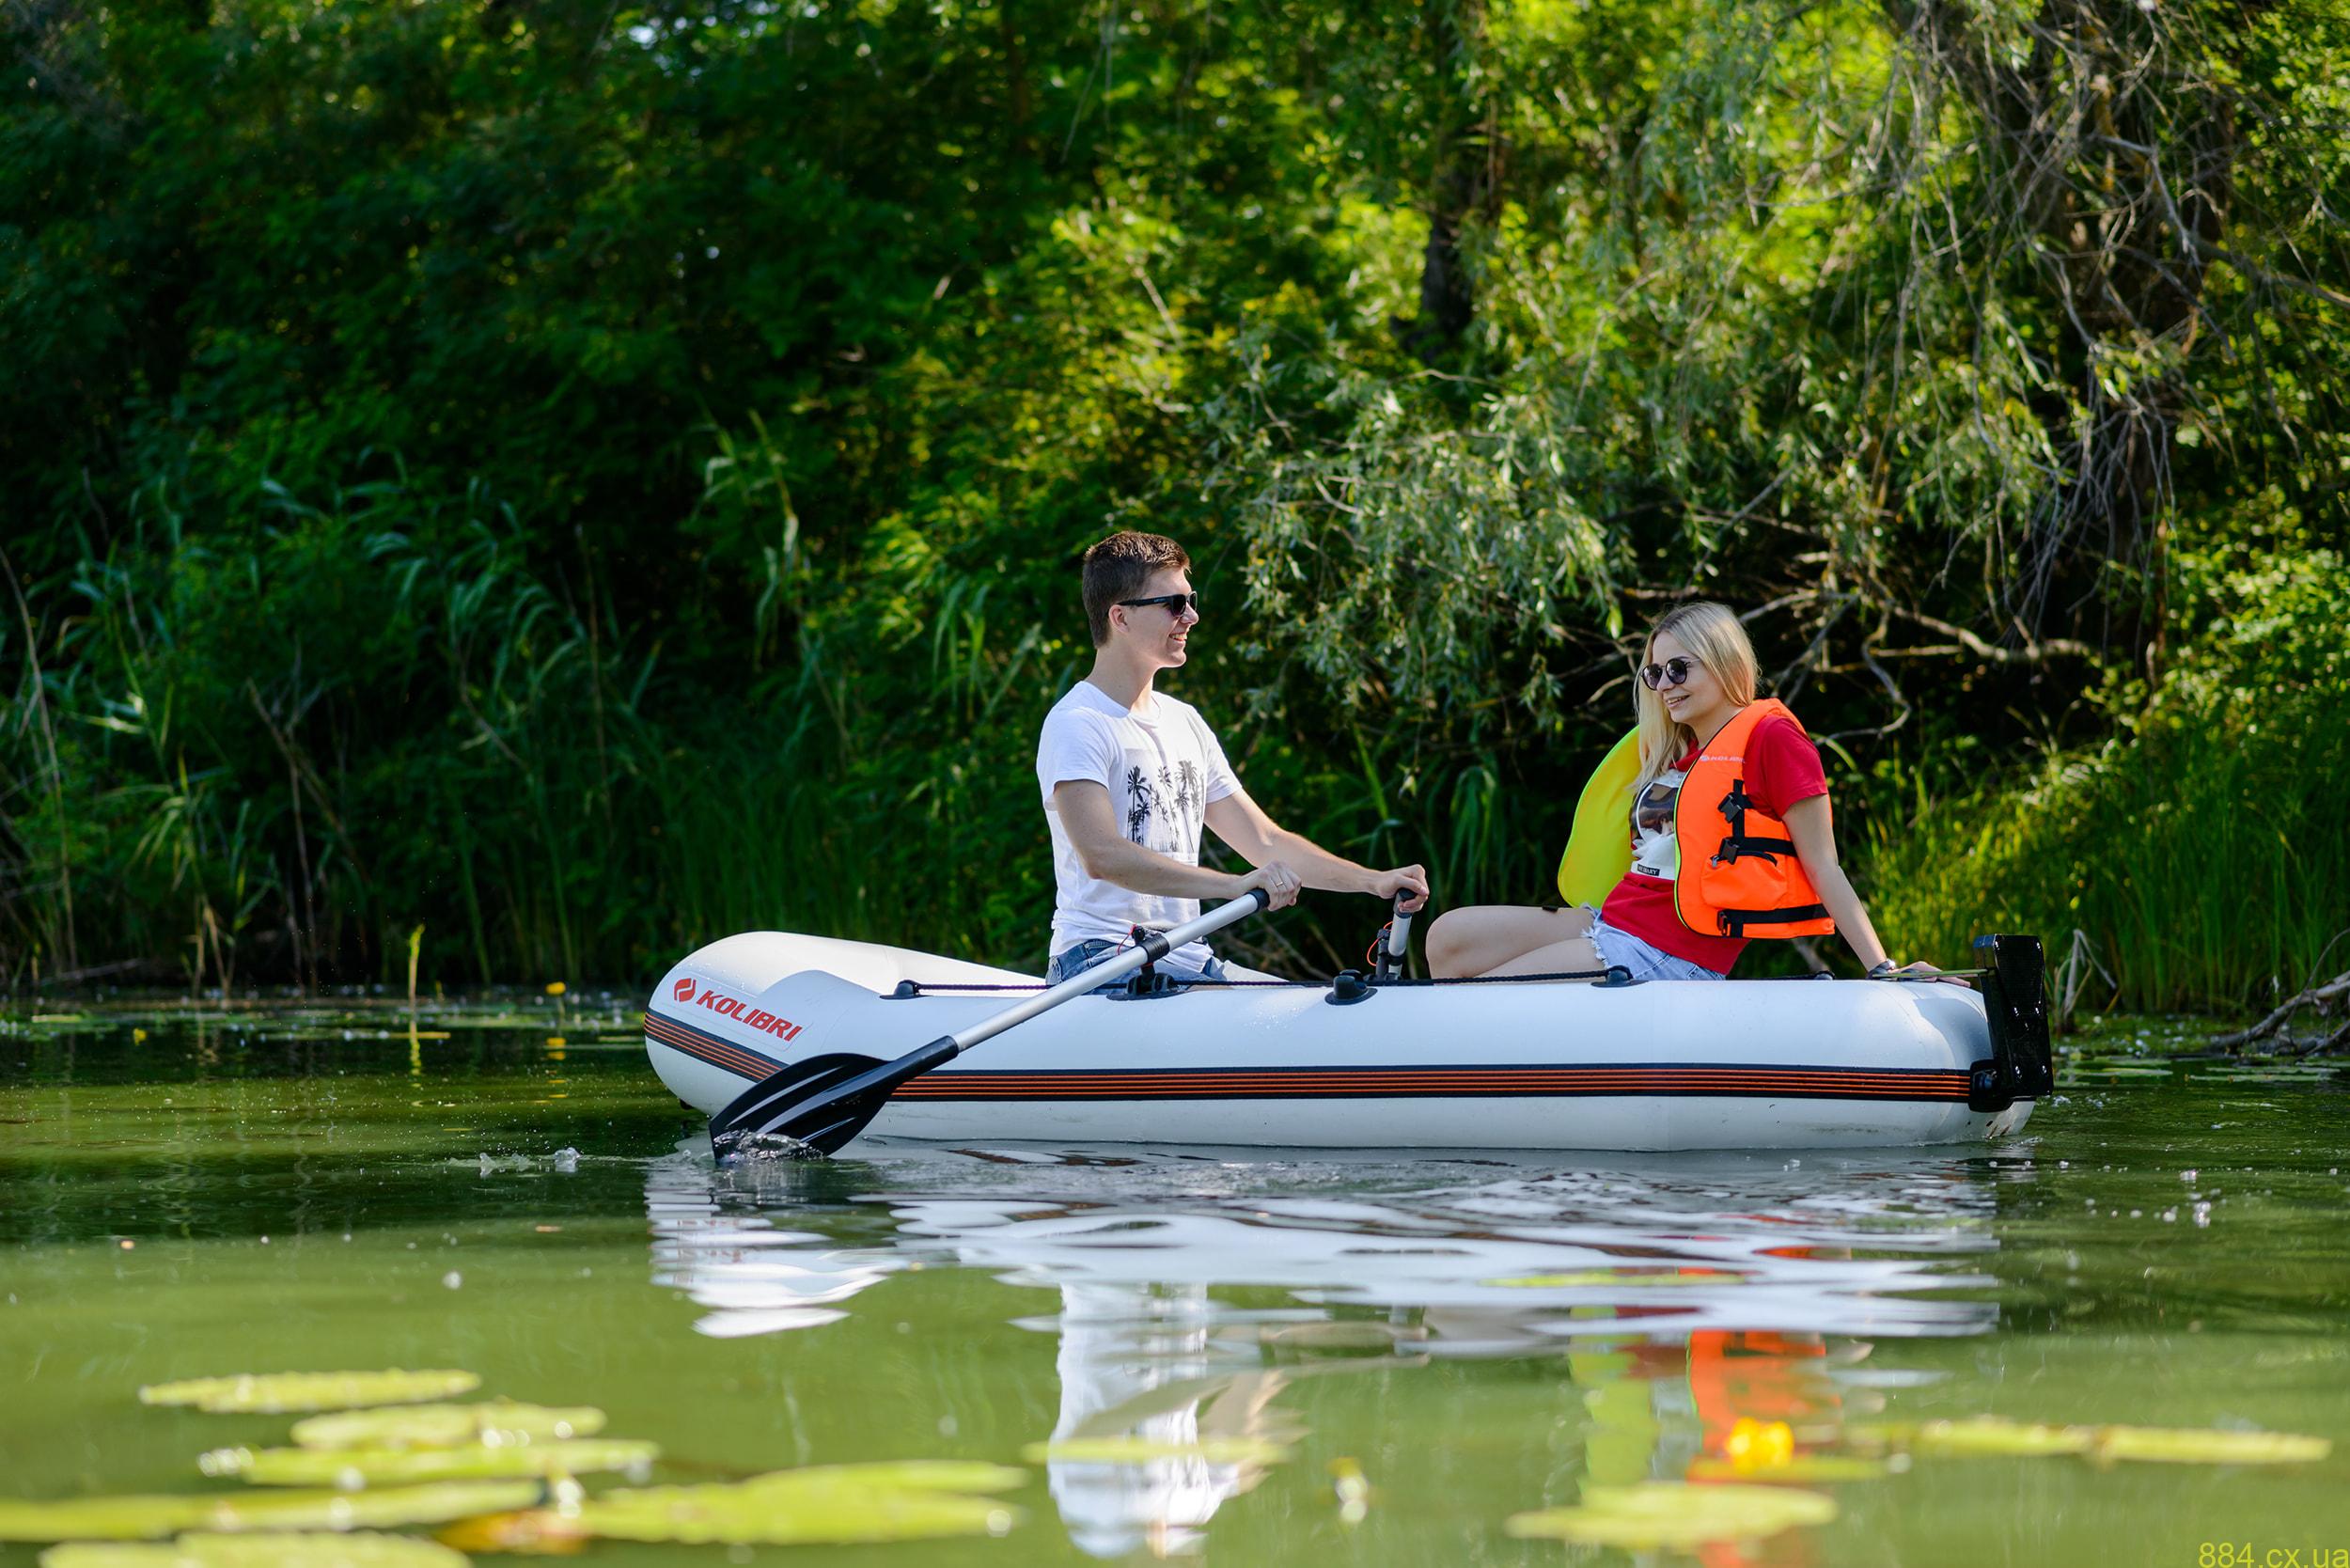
1738	844
1735	922
1734	807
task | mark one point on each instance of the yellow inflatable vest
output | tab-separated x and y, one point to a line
1599	849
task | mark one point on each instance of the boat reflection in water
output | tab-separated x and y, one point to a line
1713	1310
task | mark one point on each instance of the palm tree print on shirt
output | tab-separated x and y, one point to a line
1175	797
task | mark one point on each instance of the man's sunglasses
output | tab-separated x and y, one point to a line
1176	602
1672	672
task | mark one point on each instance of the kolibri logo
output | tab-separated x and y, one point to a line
684	990
735	1008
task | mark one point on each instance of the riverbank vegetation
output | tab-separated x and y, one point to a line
583	480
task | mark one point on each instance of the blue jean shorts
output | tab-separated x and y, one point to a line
1080	956
1620	949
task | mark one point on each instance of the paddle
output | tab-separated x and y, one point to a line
810	1108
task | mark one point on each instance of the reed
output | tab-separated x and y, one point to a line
274	753
2199	853
2202	874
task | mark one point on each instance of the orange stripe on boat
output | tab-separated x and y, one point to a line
1925	1084
715	1049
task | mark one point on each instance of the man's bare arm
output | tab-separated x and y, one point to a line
1257	839
1092	823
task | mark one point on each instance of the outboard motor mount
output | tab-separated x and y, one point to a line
2016	1003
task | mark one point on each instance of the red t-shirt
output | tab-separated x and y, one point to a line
1782	767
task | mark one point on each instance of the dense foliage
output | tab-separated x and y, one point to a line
580	479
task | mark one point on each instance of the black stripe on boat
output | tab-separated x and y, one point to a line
1712	1080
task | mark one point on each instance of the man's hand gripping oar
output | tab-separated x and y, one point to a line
809	1109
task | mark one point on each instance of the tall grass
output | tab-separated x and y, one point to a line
281	751
378	710
272	751
2201	851
2206	872
36	856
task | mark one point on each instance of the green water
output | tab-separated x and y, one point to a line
291	1189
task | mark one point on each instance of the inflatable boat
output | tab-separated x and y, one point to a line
1366	1061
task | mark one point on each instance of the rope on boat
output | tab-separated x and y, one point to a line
907	988
916	988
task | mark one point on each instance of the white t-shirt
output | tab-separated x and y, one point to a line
1163	769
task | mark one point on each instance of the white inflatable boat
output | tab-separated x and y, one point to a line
1362	1062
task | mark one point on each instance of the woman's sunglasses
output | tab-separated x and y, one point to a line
1176	602
1672	672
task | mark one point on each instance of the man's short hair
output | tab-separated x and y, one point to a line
1119	566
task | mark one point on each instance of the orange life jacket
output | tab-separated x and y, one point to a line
1739	874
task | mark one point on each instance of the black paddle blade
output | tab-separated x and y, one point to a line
742	1116
810	1108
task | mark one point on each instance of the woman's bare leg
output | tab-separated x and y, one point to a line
1574	956
1493	938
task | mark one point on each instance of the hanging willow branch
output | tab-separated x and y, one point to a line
1894	317
2112	166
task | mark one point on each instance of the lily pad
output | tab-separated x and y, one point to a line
1661	1513
149	1518
827	1519
1140	1451
2172	1446
1345	1334
910	1475
1979	1435
352	1468
1803	1471
357	1549
829	1505
1992	1434
273	1393
448	1426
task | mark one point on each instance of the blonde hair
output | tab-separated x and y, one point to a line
1714	635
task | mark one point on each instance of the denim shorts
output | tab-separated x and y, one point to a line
1080	956
1624	951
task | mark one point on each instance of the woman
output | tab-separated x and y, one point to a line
1731	835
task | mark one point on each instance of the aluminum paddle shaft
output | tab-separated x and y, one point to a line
1395	944
810	1108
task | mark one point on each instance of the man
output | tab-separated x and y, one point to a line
1130	776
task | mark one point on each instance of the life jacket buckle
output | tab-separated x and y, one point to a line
1737	845
1733	809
